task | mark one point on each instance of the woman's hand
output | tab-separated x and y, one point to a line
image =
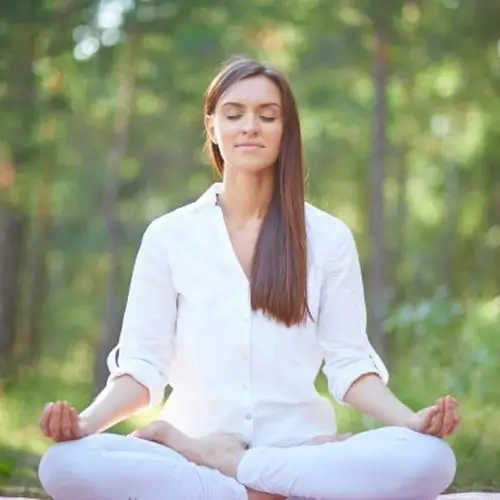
441	419
61	422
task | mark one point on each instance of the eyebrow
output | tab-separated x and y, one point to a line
240	105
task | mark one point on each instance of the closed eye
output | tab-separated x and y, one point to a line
267	119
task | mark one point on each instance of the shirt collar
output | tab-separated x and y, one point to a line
209	197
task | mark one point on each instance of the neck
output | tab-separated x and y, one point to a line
246	197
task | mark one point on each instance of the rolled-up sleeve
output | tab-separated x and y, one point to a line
347	351
146	342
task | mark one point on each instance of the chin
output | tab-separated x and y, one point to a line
252	167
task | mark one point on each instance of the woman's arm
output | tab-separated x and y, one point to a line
371	396
356	375
121	398
139	363
347	352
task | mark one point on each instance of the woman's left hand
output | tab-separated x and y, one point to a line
441	420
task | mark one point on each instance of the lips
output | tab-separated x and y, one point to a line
249	145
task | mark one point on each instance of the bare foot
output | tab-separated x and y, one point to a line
218	451
334	438
258	495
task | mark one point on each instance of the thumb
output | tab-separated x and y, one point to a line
428	414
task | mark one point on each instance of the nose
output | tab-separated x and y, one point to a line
250	124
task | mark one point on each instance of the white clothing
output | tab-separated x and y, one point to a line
189	323
385	464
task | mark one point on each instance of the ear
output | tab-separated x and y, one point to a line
209	127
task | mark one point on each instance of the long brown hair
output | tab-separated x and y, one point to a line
278	280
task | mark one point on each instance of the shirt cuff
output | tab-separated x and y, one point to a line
140	370
342	381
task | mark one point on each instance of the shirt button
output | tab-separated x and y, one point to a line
248	416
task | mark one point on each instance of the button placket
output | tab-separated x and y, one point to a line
246	358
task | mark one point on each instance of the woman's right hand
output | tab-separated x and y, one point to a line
61	422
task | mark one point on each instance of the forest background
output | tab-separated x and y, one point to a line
101	131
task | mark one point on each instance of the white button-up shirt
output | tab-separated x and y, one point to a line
188	323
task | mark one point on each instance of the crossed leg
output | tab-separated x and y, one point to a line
115	467
384	464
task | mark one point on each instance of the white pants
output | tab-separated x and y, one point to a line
385	464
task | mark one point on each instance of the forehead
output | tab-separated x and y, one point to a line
255	90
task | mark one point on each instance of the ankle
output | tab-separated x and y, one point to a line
173	438
225	461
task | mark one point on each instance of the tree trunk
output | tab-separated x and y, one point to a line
401	223
378	271
21	110
38	289
114	309
12	245
450	223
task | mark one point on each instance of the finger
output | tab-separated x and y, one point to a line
54	423
428	416
76	430
439	419
66	423
456	410
44	419
455	427
74	418
74	423
455	416
458	419
449	416
435	423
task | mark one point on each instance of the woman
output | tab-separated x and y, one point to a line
235	301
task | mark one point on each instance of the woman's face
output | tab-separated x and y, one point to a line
247	125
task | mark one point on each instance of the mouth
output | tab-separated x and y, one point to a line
249	145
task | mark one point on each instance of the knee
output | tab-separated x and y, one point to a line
432	464
56	470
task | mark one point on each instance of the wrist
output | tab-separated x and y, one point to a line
171	437
87	424
409	419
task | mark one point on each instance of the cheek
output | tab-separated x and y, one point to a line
225	134
275	136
